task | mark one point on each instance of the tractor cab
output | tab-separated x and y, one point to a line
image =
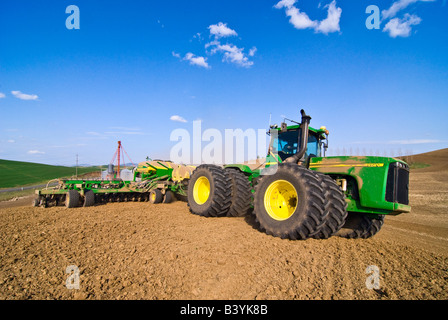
297	143
286	144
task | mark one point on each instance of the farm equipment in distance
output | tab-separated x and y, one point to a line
153	180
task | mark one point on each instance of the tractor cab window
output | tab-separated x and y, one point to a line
313	147
286	144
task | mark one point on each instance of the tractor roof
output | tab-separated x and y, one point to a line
320	131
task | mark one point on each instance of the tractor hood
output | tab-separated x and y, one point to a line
374	177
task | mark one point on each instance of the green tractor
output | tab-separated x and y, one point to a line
298	193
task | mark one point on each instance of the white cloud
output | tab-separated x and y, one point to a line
177	118
196	60
68	146
398	6
212	43
198	36
252	51
300	20
35	152
221	30
401	27
117	131
331	23
126	128
11	141
285	4
233	54
2	95
93	133
397	27
24	96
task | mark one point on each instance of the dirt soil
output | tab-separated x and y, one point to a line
145	251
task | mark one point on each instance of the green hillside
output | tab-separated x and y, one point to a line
17	174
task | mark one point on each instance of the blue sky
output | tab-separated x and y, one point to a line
134	71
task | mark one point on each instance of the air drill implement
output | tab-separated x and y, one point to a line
153	180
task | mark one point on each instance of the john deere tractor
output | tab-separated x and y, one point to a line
298	193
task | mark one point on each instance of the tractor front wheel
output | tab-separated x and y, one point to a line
290	203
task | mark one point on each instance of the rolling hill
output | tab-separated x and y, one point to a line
430	161
17	173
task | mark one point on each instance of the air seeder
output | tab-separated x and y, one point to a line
153	180
299	193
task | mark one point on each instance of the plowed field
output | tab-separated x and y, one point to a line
144	251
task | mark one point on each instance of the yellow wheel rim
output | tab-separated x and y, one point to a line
280	200
153	197
201	190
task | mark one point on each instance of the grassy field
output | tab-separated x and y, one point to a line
18	174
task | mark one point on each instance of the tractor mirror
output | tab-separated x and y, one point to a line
284	127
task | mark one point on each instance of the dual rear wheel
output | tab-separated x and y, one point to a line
216	192
73	199
156	196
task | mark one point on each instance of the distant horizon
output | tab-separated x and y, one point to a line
74	165
130	164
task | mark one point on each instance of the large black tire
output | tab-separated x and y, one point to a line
169	197
360	226
209	191
89	199
72	199
290	203
155	196
241	193
335	211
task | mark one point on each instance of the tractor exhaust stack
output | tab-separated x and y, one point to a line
303	138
